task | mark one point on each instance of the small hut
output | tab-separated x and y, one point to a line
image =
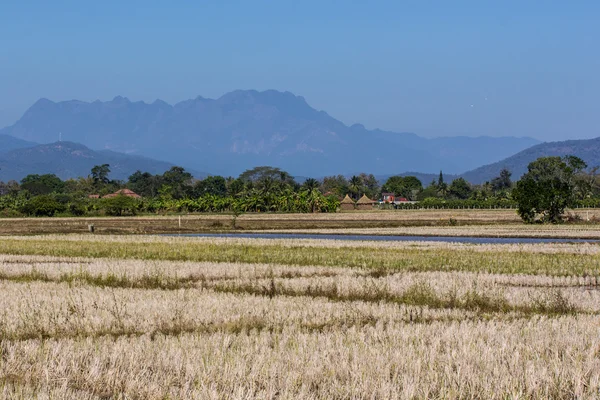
123	192
364	203
347	204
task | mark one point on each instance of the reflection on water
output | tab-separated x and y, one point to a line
390	238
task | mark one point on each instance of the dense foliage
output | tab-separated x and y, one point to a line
262	189
551	185
548	188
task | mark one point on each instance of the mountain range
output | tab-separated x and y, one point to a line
587	149
246	128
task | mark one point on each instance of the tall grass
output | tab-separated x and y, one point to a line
155	318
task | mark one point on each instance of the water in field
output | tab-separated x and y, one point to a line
391	238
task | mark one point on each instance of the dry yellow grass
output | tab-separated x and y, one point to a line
170	327
548	248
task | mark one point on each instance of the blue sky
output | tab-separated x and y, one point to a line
436	68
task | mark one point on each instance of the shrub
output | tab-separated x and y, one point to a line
77	209
42	206
120	205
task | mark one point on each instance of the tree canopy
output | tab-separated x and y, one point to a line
460	189
42	184
547	188
502	181
407	186
100	173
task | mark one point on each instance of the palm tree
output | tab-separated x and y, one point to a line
355	185
310	184
315	200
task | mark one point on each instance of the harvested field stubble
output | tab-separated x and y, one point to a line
155	318
559	260
372	222
252	221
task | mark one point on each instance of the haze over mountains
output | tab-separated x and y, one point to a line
246	128
8	143
587	149
72	160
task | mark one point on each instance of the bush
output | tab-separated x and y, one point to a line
546	189
120	205
42	206
77	209
10	213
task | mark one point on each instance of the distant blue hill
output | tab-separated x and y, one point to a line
8	143
73	160
246	128
587	149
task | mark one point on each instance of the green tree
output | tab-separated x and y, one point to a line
100	174
145	184
460	189
546	189
214	185
394	184
408	186
314	199
268	180
502	182
42	206
178	180
10	188
259	173
81	187
336	184
370	185
235	187
42	184
583	182
355	185
442	187
310	184
120	205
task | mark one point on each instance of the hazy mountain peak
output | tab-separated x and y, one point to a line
161	104
245	128
238	96
121	100
43	102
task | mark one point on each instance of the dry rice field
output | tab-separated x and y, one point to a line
254	221
490	222
148	317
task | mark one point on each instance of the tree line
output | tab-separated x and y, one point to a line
550	185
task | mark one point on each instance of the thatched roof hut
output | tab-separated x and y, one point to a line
364	203
123	192
347	203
